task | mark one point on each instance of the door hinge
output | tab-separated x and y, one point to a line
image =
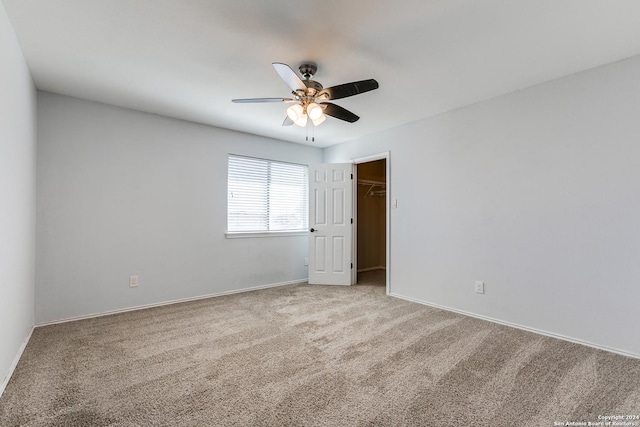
351	220
351	265
351	176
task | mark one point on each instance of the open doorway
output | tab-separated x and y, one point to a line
371	224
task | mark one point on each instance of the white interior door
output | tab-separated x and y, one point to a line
330	222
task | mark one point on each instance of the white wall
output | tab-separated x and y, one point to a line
17	198
122	193
537	193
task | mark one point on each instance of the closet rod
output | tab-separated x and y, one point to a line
372	182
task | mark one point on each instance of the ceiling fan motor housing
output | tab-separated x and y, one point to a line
312	84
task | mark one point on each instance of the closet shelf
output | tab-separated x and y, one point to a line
376	188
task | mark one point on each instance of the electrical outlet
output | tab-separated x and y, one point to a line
306	261
133	281
479	287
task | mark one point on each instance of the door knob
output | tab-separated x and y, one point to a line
312	230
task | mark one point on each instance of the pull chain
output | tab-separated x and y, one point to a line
313	132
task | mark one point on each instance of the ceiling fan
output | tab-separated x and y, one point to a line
309	97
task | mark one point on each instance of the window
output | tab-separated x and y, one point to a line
266	196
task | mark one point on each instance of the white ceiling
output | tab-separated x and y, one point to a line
187	59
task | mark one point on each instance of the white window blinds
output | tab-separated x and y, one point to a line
264	195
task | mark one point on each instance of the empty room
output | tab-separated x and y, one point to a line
275	213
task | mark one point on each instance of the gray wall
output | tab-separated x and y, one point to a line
537	193
124	193
17	198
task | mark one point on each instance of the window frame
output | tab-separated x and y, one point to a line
267	233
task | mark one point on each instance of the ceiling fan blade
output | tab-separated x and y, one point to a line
350	89
248	100
338	112
289	76
287	121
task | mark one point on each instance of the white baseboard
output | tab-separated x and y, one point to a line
517	326
14	364
160	304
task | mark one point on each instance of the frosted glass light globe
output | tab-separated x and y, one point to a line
301	121
295	112
314	111
319	120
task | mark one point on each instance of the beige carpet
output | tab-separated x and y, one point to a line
305	355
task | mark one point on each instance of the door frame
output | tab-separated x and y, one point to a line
385	155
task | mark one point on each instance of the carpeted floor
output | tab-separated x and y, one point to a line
373	277
306	355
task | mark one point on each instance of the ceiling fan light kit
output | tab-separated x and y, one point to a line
295	112
319	120
302	121
314	111
310	96
299	114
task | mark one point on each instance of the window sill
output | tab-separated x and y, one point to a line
252	234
